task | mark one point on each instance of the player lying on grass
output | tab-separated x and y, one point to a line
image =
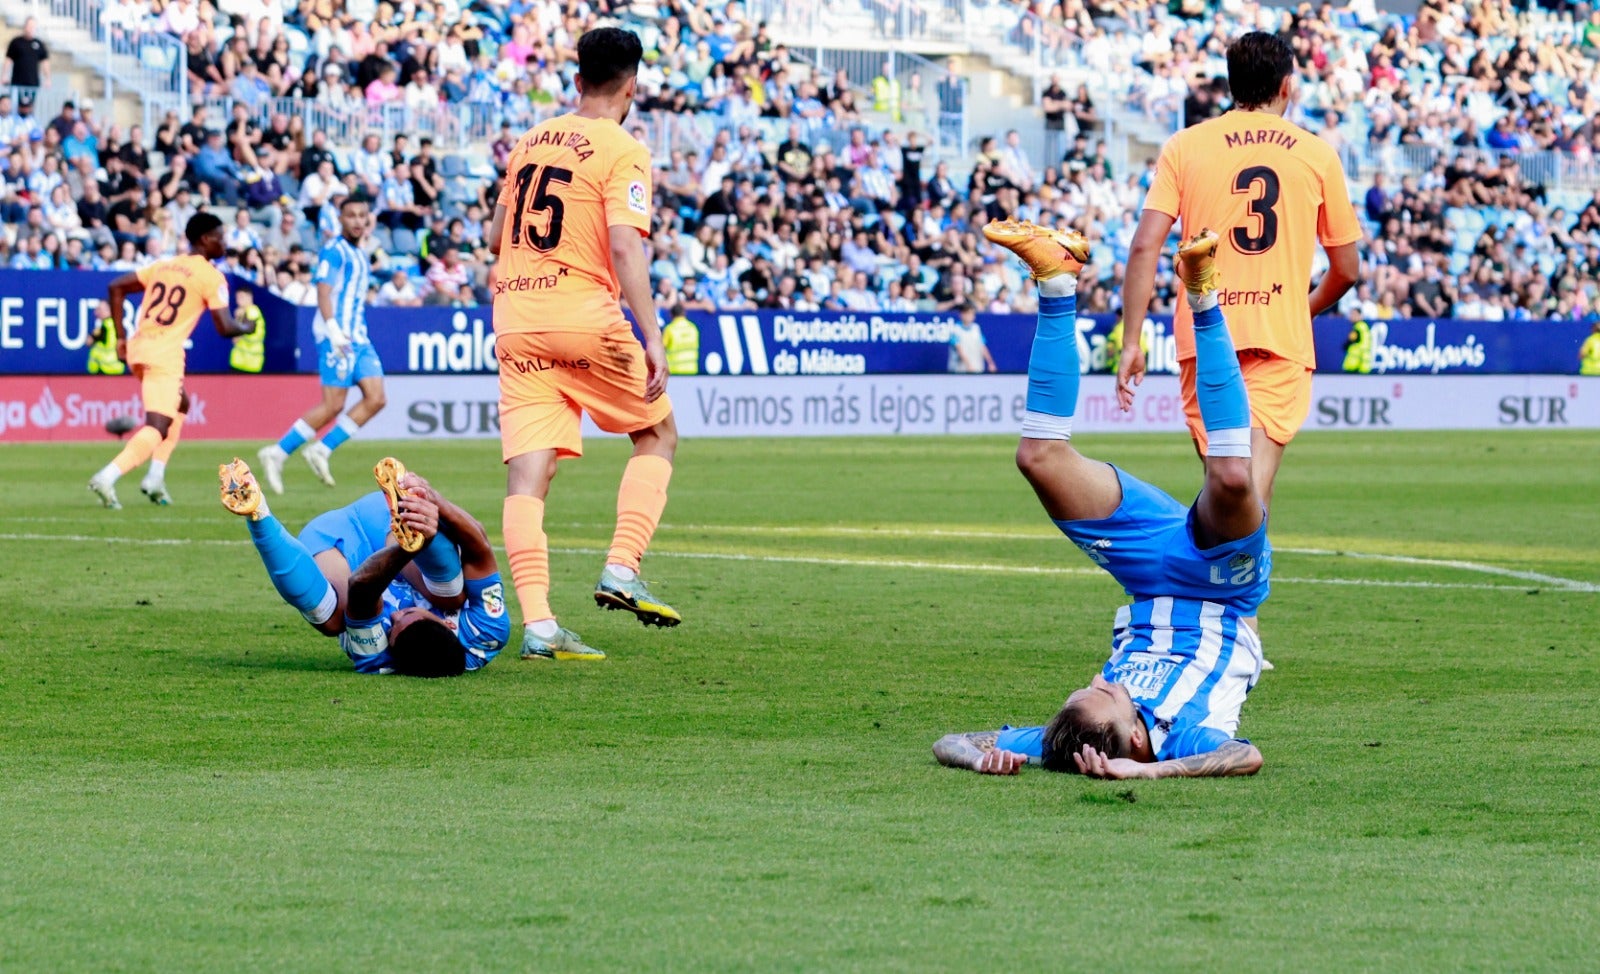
1167	701
405	579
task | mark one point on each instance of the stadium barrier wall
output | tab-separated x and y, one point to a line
466	407
46	318
62	408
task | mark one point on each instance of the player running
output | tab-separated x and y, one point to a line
176	291
1273	191
405	579
567	230
345	356
1167	701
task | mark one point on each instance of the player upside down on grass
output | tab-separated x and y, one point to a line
1167	701
406	579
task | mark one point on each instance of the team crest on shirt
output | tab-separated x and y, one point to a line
1240	563
636	198
494	600
1144	674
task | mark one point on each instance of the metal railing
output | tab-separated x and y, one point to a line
141	59
457	127
929	97
1550	169
47	101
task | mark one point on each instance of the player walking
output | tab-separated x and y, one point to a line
405	579
345	356
1273	191
176	291
1183	657
567	231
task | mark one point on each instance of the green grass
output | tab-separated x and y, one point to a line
193	780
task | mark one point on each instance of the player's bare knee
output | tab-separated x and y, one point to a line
1229	478
375	402
1036	458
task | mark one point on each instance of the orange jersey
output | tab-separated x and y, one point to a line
569	180
177	292
1272	191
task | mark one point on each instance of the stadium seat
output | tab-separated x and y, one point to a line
157	57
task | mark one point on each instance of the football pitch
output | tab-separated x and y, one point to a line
194	780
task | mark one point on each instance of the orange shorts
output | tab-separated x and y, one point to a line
548	380
160	387
1280	395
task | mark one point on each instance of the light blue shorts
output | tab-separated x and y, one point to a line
344	371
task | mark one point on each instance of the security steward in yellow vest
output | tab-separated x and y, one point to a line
1589	353
103	345
249	352
681	338
886	94
1358	349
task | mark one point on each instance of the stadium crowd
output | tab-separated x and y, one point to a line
803	198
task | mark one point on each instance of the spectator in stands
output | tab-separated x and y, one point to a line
215	169
399	292
27	61
446	277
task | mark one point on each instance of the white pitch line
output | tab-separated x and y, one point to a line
945	566
1569	584
1556	581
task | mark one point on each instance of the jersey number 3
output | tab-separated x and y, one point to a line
1263	186
543	201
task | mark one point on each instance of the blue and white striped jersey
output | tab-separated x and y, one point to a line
1188	665
343	266
481	625
1181	647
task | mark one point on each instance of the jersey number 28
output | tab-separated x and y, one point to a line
161	305
544	201
1262	184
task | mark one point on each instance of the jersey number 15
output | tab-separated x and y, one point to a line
543	201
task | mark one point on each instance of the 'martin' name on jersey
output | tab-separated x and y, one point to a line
576	141
1261	137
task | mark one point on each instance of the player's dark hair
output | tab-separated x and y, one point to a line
201	224
1257	64
352	200
608	56
427	648
1070	729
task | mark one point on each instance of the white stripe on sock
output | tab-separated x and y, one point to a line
1043	426
1060	286
445	589
1228	443
324	610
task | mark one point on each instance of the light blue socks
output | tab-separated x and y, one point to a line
294	572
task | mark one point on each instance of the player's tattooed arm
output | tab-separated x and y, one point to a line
977	752
1232	758
367	583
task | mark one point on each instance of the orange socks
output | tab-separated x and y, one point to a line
640	500
528	550
164	449
139	449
